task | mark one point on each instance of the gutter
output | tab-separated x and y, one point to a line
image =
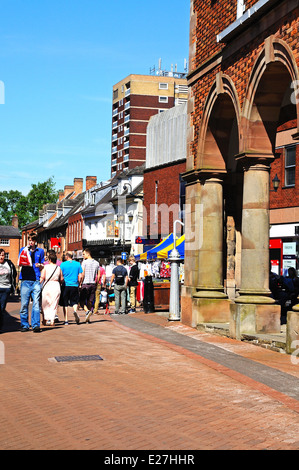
251	15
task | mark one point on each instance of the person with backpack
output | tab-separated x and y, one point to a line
120	279
8	275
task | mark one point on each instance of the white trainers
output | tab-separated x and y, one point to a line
88	315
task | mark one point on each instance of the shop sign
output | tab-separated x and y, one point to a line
147	241
275	266
289	257
55	243
289	248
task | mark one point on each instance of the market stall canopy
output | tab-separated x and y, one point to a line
163	249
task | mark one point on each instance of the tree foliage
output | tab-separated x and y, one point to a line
26	207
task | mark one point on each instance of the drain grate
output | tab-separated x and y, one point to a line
78	358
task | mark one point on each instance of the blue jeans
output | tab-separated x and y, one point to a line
4	293
33	289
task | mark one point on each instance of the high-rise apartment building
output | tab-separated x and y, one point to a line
136	99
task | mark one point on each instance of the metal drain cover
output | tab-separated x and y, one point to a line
77	358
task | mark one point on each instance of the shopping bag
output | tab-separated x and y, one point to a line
24	258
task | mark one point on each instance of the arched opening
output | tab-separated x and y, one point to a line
269	100
220	146
271	107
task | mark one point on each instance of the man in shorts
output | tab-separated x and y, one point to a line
72	274
91	271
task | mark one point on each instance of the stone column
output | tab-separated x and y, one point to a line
255	235
210	276
210	301
254	310
193	236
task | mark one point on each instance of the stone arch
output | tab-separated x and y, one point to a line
272	85
219	136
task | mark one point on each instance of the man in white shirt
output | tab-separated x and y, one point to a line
91	269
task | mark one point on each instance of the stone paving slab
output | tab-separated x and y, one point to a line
262	373
148	392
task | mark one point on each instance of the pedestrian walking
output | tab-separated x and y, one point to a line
133	282
72	274
101	286
120	279
51	278
91	270
31	259
8	275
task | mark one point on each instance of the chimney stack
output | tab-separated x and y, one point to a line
68	189
91	181
15	221
78	186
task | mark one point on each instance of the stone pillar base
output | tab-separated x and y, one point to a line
187	317
211	309
203	307
292	334
254	319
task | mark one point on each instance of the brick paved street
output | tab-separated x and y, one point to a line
160	386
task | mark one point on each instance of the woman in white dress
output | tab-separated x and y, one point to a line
51	279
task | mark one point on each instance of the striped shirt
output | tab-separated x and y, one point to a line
90	267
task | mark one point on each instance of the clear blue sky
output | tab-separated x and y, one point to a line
59	61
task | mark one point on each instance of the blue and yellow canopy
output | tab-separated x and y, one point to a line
163	249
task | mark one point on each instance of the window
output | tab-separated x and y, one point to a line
290	165
4	242
163	86
163	99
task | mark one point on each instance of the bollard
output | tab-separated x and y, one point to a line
148	298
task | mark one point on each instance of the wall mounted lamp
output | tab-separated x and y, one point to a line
275	182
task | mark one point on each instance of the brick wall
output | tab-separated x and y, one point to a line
237	64
74	233
13	250
168	193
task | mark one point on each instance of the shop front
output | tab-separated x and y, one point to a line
284	248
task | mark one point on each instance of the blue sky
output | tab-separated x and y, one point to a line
59	61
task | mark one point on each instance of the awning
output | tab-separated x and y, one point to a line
163	249
180	246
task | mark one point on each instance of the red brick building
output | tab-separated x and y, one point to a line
243	90
10	240
163	187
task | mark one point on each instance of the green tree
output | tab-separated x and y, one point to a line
40	194
26	207
9	202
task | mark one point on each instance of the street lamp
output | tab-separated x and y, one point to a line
174	298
